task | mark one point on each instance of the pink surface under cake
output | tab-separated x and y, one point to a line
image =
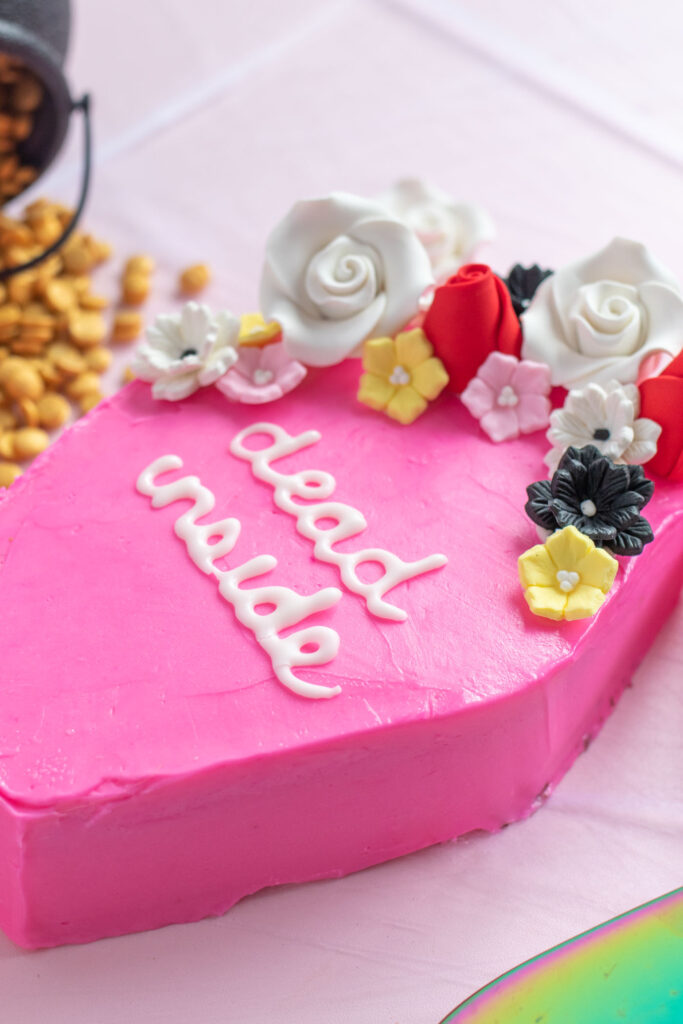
154	769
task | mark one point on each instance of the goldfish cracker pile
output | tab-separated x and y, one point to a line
53	330
21	95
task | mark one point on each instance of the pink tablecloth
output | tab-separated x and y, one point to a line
565	121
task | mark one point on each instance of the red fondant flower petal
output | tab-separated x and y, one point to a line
661	400
471	316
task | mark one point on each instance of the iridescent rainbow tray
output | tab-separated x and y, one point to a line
628	970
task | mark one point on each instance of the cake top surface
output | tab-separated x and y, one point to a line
172	591
123	663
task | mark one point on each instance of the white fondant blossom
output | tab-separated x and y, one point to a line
187	350
606	417
598	319
339	270
449	231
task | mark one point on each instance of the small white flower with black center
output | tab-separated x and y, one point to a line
606	417
507	396
567	580
399	377
187	350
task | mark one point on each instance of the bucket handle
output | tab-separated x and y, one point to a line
83	105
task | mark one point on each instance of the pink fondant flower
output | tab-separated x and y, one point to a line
509	397
261	375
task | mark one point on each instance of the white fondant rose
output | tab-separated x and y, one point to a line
337	271
187	350
598	319
449	231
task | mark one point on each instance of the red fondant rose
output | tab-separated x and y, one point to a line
661	400
471	316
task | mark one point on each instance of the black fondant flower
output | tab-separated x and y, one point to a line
522	283
601	499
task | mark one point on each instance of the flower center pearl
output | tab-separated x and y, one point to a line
567	580
261	377
188	352
601	434
399	377
588	508
508	396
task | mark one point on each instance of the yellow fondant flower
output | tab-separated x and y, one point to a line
255	332
567	577
401	376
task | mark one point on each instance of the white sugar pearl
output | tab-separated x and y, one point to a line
399	377
508	396
588	508
261	377
567	580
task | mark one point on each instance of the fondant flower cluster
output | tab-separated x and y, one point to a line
345	276
589	511
475	330
195	348
349	276
601	499
610	328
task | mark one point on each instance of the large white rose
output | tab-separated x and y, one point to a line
339	270
598	319
449	231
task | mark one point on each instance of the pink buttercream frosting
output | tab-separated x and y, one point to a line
152	769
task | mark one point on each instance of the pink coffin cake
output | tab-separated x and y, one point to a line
245	646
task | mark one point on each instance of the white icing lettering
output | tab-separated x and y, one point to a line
314	485
284	607
196	537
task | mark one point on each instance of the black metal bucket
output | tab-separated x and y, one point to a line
37	33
